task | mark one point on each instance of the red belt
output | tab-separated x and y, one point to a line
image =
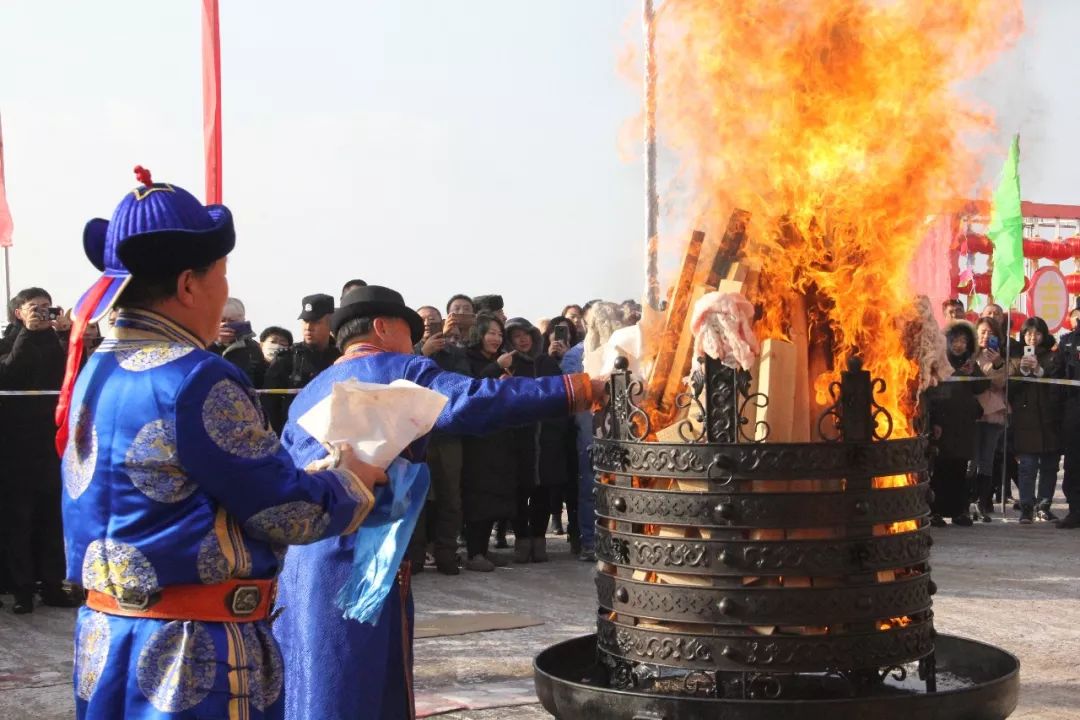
234	601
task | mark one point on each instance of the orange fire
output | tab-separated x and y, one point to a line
839	120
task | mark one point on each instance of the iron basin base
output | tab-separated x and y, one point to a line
976	682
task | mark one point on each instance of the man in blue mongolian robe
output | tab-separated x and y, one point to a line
339	669
178	500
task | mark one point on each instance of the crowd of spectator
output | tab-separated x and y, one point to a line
517	481
520	480
1005	421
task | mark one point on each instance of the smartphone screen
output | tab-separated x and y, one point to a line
1029	351
993	344
561	333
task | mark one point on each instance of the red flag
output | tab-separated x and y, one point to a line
6	225
211	51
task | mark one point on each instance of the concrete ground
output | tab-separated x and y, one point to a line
1014	586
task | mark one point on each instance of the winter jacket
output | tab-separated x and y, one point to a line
246	354
29	361
546	451
489	462
1037	408
993	398
953	405
292	369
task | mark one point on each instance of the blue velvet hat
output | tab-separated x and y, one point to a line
156	231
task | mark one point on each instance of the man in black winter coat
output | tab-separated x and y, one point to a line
294	368
32	358
442	517
1069	363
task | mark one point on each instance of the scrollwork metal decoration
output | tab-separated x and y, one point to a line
879	414
638	426
696	411
829	423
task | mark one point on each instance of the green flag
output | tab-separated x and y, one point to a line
1007	232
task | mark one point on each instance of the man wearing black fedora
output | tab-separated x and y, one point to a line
371	674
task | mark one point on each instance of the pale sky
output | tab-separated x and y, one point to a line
432	146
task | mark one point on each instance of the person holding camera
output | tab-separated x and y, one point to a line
442	517
294	369
33	358
559	336
1036	420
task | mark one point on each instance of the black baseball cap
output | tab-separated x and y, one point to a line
316	307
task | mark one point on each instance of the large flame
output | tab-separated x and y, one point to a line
838	125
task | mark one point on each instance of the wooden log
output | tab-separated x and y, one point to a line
798	331
682	361
776	369
730	246
675	325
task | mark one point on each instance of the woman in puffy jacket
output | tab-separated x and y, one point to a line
1036	420
489	462
953	414
545	450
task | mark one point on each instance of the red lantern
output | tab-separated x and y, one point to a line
1018	320
1072	282
1060	251
982	283
1036	248
977	243
1073	244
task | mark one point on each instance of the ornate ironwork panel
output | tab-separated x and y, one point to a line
722	463
779	606
772	653
761	510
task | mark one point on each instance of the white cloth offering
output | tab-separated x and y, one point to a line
379	421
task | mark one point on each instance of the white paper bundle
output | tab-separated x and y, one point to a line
379	421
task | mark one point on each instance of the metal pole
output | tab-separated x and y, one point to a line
7	278
652	199
1005	435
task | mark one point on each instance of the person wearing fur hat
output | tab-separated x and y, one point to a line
491	304
178	499
341	669
953	413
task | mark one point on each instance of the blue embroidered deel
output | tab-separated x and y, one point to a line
382	540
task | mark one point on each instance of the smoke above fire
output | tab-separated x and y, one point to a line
840	126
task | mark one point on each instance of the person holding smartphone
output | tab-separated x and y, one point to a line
990	358
1036	421
561	335
33	358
